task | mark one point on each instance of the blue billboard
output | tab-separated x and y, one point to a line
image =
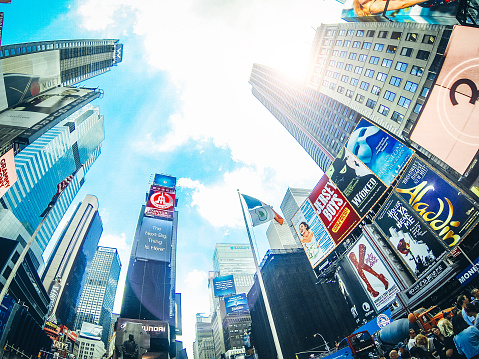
154	239
164	181
236	304
224	285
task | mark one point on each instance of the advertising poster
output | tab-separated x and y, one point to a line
430	12
236	304
91	331
154	239
314	238
356	182
164	181
360	304
411	239
161	202
8	173
382	153
224	285
335	212
36	73
449	122
441	206
372	274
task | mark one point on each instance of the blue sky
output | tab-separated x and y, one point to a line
180	104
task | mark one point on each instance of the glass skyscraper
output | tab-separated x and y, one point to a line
98	295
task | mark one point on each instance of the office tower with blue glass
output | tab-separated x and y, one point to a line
65	274
98	294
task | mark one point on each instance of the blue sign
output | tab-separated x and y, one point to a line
224	285
236	304
377	323
469	273
164	181
154	239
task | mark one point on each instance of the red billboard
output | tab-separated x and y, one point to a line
161	202
335	212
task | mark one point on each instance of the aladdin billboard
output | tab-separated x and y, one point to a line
449	122
224	285
236	304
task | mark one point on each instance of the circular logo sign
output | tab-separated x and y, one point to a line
161	200
383	320
366	307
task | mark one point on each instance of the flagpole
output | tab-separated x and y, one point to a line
263	289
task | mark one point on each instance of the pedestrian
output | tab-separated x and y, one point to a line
412	339
402	351
461	302
471	312
445	327
466	337
393	354
130	348
475	301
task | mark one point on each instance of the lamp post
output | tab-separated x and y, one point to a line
325	342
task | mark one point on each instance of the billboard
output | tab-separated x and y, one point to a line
411	239
224	285
447	211
164	181
8	173
161	202
383	154
154	239
337	215
35	73
449	122
155	328
91	331
372	274
236	304
420	11
356	182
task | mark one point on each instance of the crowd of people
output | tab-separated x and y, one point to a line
456	336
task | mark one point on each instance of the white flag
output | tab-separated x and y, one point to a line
260	215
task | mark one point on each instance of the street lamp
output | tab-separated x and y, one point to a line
325	342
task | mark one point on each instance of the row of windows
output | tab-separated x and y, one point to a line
390	49
395	35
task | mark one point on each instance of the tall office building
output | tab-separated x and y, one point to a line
280	236
203	347
98	295
292	200
382	71
72	146
151	278
65	273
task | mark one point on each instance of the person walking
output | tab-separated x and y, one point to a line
130	348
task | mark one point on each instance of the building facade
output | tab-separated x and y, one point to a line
98	295
292	200
66	271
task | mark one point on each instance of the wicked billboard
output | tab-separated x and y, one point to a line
447	211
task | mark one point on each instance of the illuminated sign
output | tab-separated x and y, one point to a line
224	285
161	202
154	239
8	173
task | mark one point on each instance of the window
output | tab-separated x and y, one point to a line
370	33
357	44
354	81
428	39
388	95
406	51
335	52
360	33
342	32
347	43
358	70
401	66
404	102
425	91
353	55
422	55
362	57
359	98
332	85
381	76
396	35
411	37
329	73
332	63
378	47
387	63
350	32
369	73
348	67
340	89
336	75
364	85
391	49
366	45
374	60
340	65
344	54
375	90
410	86
395	81
417	71
383	110
397	117
382	34
370	103
349	93
339	42
417	108
344	78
